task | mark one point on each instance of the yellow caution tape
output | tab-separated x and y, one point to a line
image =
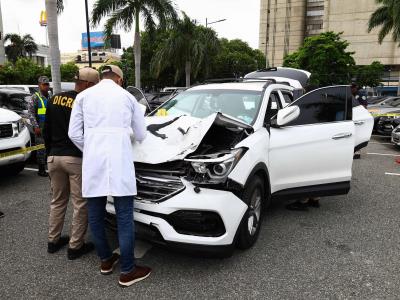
22	151
385	115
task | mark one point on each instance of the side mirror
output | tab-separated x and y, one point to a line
287	115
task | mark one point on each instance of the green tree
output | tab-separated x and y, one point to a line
387	17
236	58
185	49
19	46
68	71
370	75
125	13
326	57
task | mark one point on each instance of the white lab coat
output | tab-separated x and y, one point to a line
104	120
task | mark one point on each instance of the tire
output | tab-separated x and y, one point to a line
249	228
14	169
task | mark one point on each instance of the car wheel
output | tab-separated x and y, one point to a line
15	169
254	197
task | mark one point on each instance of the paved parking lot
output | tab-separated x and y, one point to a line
349	248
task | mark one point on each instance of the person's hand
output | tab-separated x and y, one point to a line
37	131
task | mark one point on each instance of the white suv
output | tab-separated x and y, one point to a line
216	155
14	135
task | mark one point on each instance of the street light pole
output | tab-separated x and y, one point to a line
222	20
2	50
88	33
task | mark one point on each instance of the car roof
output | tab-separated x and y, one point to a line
9	91
247	86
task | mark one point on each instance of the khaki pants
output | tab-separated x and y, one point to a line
66	181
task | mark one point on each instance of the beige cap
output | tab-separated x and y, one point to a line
114	69
88	74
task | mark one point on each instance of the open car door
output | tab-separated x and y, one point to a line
312	155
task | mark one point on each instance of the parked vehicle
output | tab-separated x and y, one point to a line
378	111
388	123
31	89
211	164
16	100
14	135
396	136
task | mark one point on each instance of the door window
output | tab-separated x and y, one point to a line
273	107
331	104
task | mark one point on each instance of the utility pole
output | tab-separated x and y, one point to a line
2	50
88	33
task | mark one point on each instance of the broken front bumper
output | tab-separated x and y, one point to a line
192	217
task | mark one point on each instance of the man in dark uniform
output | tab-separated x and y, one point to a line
65	169
37	115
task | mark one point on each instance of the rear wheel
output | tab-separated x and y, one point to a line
254	197
13	169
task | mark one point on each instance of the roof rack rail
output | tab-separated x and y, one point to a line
223	80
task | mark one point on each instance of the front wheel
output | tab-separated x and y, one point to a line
249	229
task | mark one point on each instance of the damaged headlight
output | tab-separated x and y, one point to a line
215	168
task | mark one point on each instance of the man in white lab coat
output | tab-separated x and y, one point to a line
104	121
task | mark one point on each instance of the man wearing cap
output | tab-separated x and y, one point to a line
37	114
65	169
105	120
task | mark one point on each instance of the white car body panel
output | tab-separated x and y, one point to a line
19	140
226	204
364	123
308	155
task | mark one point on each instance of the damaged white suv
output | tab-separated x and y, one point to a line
216	155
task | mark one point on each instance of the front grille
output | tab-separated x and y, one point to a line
155	187
6	130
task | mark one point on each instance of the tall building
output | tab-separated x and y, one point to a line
285	23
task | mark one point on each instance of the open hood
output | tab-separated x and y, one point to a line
295	77
174	138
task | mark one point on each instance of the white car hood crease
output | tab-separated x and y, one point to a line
181	138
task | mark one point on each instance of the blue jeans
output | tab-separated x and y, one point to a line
126	234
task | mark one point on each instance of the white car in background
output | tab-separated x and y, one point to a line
14	135
219	153
396	136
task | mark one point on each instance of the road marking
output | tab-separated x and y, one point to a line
384	154
381	136
30	169
381	143
392	174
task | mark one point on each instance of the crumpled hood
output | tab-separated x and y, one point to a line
8	116
173	138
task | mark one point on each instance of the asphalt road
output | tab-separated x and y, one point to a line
348	248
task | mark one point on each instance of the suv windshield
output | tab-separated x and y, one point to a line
240	104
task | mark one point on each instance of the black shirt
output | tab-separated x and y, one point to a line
55	131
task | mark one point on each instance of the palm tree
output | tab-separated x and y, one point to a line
387	17
186	49
125	13
19	46
53	7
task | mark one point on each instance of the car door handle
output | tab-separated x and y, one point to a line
359	123
342	136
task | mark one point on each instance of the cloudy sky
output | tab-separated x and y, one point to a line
22	16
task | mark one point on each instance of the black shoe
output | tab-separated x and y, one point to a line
357	156
54	247
76	253
1	214
300	206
